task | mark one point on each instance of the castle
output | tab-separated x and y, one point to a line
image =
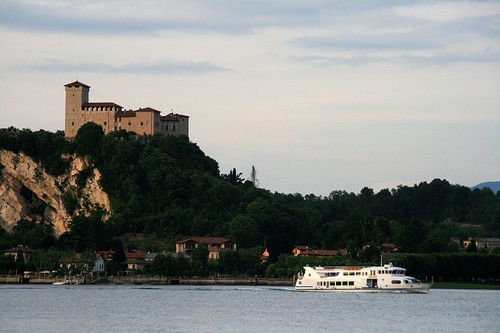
113	117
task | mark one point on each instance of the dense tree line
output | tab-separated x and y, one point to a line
166	187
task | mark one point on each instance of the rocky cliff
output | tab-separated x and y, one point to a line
27	191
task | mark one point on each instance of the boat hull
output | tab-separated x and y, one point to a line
424	289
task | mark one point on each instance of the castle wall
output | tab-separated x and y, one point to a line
104	118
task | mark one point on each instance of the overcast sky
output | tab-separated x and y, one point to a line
317	95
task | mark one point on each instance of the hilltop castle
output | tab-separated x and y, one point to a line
113	117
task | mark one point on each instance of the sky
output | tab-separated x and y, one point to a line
319	96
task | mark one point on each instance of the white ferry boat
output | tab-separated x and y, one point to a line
385	278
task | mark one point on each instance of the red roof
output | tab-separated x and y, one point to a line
205	240
173	117
22	248
148	109
101	104
134	254
76	84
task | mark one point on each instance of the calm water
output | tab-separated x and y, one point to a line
241	309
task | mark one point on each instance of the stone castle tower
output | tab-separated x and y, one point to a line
77	94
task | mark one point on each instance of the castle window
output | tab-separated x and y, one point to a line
105	123
72	123
142	124
129	123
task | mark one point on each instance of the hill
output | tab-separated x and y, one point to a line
165	187
494	186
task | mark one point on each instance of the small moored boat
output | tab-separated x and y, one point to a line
384	278
60	283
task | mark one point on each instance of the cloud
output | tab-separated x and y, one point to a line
398	39
150	17
438	58
143	67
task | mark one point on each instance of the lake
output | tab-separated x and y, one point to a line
110	308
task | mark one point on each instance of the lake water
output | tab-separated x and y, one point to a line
47	308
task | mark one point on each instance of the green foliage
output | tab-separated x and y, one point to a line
44	147
199	261
88	140
33	234
168	265
86	233
470	267
167	187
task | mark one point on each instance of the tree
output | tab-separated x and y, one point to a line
199	261
88	139
243	229
253	177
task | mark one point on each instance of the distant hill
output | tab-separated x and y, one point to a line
494	186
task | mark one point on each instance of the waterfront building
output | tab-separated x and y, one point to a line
215	245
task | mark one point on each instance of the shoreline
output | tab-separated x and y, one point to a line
155	280
260	281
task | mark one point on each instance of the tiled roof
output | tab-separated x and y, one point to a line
134	255
205	240
101	104
22	248
148	109
173	117
76	84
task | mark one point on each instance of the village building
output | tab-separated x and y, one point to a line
20	252
113	117
99	266
135	260
306	251
487	244
216	246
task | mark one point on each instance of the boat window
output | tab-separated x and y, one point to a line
338	283
396	282
351	273
358	273
344	283
345	273
351	283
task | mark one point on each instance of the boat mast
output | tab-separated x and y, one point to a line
381	258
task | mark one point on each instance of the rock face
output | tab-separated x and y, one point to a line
27	191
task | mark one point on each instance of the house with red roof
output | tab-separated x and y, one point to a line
216	246
20	251
135	260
